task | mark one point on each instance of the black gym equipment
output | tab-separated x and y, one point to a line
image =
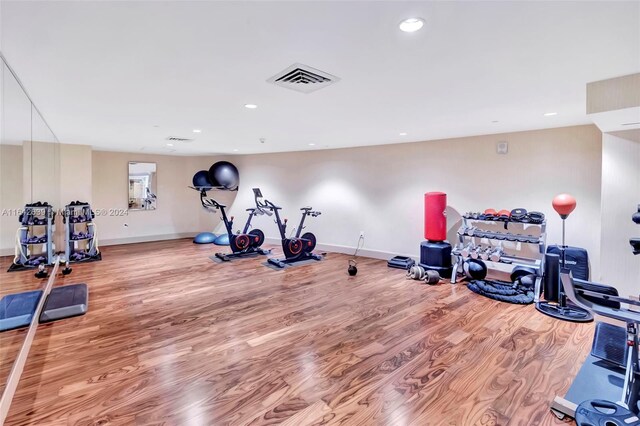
474	269
401	262
429	276
555	302
635	242
224	175
245	243
436	256
297	248
352	269
65	302
201	180
352	266
611	372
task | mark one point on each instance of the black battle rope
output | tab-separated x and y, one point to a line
503	292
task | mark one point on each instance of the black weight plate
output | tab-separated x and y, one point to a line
257	237
309	242
294	246
240	242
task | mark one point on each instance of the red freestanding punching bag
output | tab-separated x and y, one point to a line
435	217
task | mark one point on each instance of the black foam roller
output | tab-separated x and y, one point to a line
551	276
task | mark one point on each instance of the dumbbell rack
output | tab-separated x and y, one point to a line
80	214
28	218
536	263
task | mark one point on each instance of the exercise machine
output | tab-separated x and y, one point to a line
611	371
297	248
243	244
607	387
556	304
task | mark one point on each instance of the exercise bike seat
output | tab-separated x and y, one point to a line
306	208
577	297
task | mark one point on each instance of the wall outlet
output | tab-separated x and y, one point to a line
361	234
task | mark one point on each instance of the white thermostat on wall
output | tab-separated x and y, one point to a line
502	148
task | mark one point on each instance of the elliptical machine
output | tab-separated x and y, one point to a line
297	248
243	244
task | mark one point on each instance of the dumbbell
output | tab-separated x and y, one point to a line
475	254
466	251
42	272
496	254
484	255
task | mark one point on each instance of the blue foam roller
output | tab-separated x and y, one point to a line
16	310
222	240
205	238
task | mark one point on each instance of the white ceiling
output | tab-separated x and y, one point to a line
106	73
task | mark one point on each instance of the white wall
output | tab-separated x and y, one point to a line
620	199
379	190
76	164
178	214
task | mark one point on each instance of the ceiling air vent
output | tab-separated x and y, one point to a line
178	139
303	78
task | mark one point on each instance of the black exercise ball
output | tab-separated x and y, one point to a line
224	175
201	180
475	269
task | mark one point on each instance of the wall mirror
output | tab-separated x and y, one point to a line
142	186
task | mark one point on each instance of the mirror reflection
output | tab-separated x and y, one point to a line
142	186
29	178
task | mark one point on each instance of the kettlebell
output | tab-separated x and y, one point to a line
636	216
352	270
67	269
42	272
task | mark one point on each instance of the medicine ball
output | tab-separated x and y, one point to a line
475	269
225	175
201	180
524	275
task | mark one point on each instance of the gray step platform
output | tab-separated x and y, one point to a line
65	302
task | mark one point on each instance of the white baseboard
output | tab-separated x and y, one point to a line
147	238
7	251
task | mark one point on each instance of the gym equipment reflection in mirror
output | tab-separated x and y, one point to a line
142	186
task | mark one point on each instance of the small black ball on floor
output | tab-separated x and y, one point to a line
352	270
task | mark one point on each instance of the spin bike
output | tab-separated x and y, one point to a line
243	244
297	248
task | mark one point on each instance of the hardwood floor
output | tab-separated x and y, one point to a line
173	338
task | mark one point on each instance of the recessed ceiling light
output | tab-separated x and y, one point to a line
251	106
495	121
411	25
549	114
235	150
403	133
169	144
197	131
312	144
155	125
